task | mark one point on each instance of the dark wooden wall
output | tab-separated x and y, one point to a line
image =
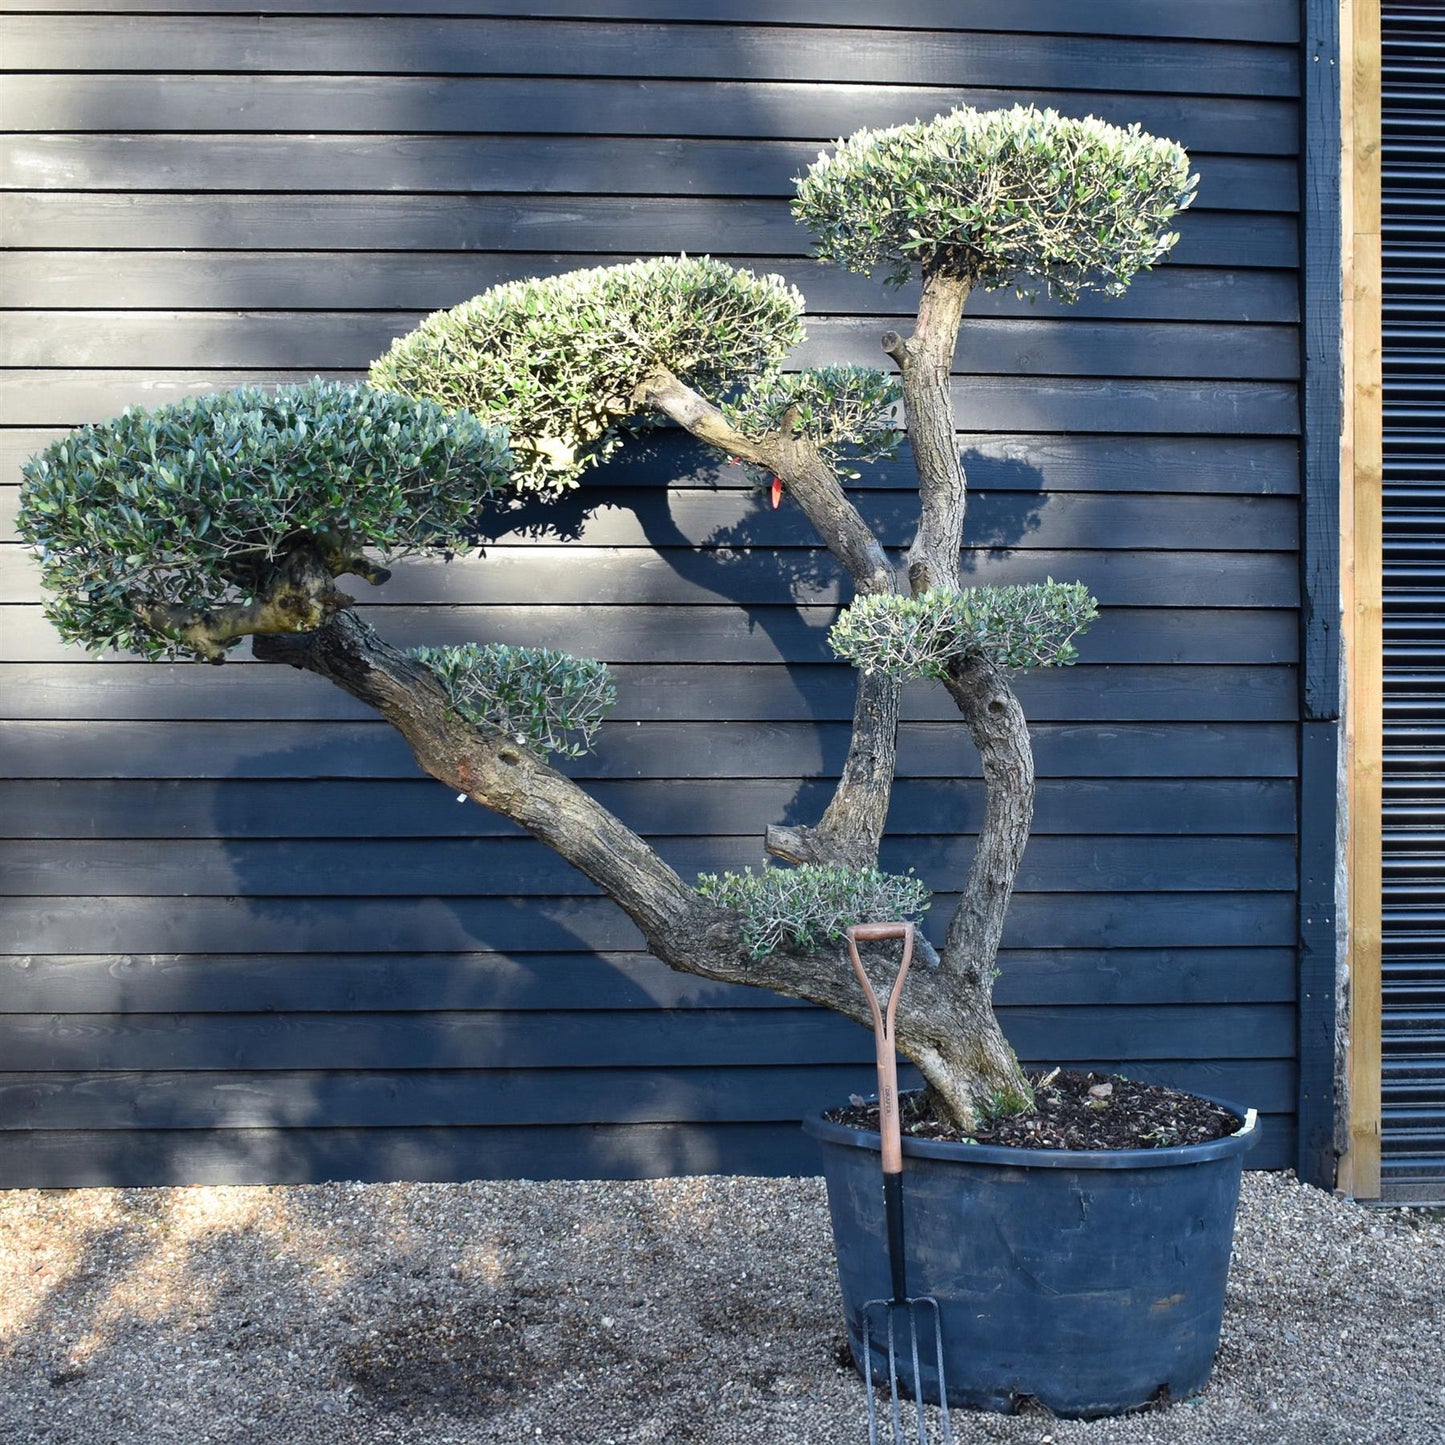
243	939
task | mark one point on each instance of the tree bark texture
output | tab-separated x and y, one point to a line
984	699
946	1022
299	596
925	361
851	829
996	724
807	477
950	1032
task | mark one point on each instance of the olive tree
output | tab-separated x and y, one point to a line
180	531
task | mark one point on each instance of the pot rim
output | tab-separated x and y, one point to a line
1243	1139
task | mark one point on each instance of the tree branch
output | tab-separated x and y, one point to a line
851	829
490	768
925	360
810	481
996	724
298	598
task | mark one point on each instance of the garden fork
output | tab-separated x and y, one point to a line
902	1305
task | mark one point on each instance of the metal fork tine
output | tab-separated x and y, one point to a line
873	1334
893	1382
943	1420
868	1378
891	1158
917	1373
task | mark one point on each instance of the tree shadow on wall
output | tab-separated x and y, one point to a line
1006	501
429	987
422	949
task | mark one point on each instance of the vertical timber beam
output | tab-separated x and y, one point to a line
1320	620
1361	575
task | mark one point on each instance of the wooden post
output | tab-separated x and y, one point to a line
1321	892
1361	577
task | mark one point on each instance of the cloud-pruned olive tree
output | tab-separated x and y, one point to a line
180	531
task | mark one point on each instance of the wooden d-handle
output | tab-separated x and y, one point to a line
873	932
884	1039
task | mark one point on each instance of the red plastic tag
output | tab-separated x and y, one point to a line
777	492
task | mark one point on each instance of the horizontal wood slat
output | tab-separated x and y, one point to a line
727	750
73	1159
81	1158
379	1099
687	528
186	868
771	110
405	44
119	692
296	340
679	807
554	1037
290	925
623	517
369	982
633	577
755	634
322	281
1221	20
615	227
499	165
68	397
1201	466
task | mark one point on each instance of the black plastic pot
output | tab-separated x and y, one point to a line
1092	1282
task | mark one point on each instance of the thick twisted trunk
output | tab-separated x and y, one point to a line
947	1029
977	1065
968	1065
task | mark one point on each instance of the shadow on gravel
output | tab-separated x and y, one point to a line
691	1310
455	1359
349	1313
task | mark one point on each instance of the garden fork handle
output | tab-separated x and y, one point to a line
884	1037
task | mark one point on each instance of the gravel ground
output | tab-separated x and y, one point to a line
688	1310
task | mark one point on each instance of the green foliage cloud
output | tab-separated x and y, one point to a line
193	504
558	360
1022	197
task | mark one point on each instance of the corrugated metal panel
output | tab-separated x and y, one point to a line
1413	1146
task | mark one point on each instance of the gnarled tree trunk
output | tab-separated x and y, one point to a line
949	1032
946	1023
